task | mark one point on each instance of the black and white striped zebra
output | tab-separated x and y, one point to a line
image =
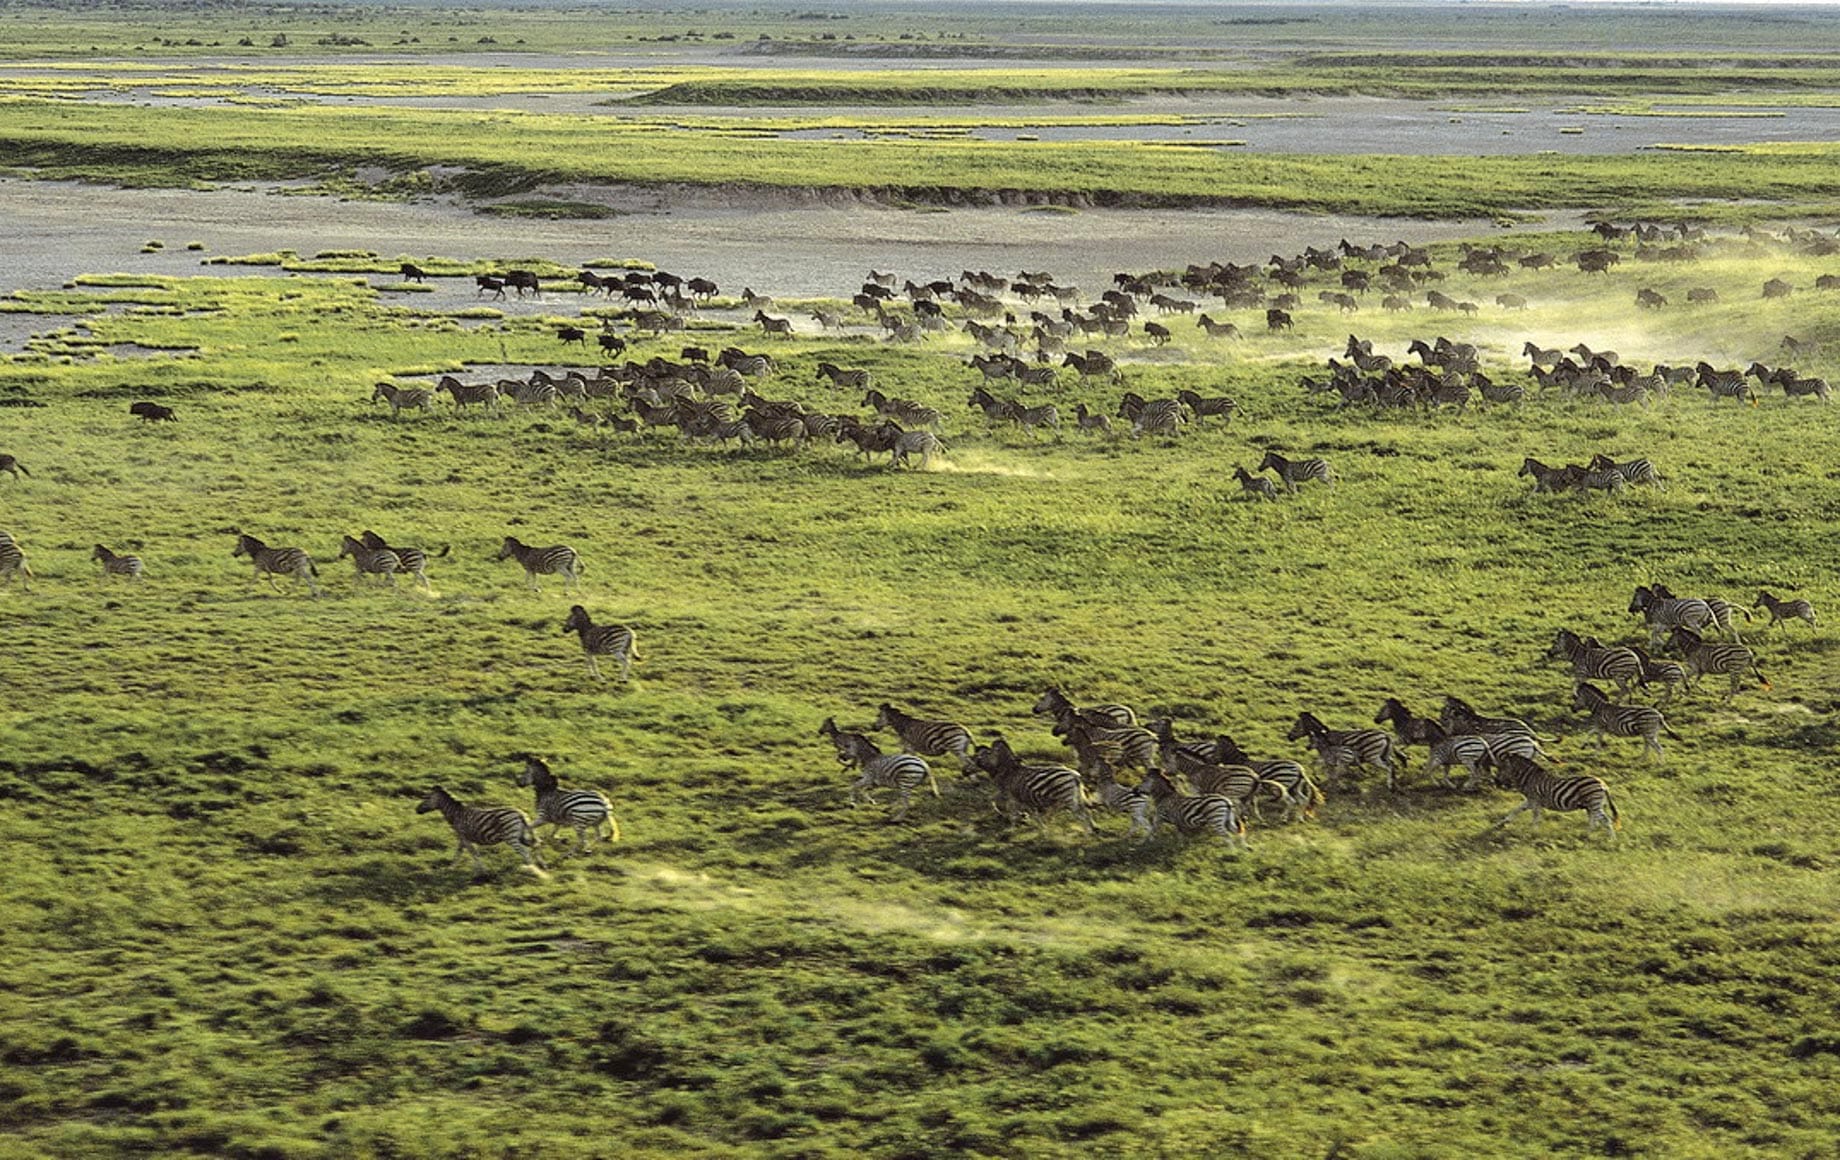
901	772
1726	384
1040	790
117	565
1132	801
1634	471
1055	704
852	379
1611	719
466	394
586	810
1544	790
1237	783
907	444
1785	610
1124	746
271	562
1294	471
1664	614
1347	749
926	737
477	826
371	561
1703	657
403	399
1670	675
1447	748
1255	485
1459	716
1202	406
603	640
1204	813
1281	779
558	559
13	562
413	561
1618	665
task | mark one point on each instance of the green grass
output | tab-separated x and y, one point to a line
229	934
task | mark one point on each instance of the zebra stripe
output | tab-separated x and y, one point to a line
404	398
927	738
584	809
271	562
1040	790
1283	779
413	561
1634	471
1545	791
1194	814
1621	720
855	379
485	394
114	565
477	826
1702	657
1295	471
1668	674
372	561
1126	746
1469	751
1344	749
1664	613
12	560
603	640
1597	664
1459	717
544	561
1781	610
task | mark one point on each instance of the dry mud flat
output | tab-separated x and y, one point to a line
794	244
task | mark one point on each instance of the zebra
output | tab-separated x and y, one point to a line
1544	790
1194	814
753	366
1668	674
544	561
1548	479
1634	471
477	826
1132	801
1781	610
272	562
114	565
1339	749
413	561
1666	613
1621	720
1202	406
901	772
1597	664
1157	417
13	467
13	560
927	738
1447	747
1036	789
485	394
1256	486
584	809
1702	658
1458	716
1127	746
1054	703
1294	471
603	640
374	561
854	380
1282	779
403	398
1727	384
903	411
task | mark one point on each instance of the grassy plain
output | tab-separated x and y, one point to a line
230	934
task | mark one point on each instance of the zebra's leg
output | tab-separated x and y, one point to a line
625	664
311	585
582	832
1509	816
595	668
900	813
1652	742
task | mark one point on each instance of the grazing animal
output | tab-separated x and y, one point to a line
1295	471
413	561
1276	319
1616	720
271	562
1670	675
573	334
586	810
412	272
13	467
777	327
927	738
544	562
477	826
12	561
1255	485
403	398
1282	779
152	413
603	640
1040	790
1704	657
1217	329
854	380
1544	790
114	565
371	561
1781	610
901	772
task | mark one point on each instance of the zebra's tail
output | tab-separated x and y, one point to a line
632	650
1670	732
312	567
1616	818
613	828
445	548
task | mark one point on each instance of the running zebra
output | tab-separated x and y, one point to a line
1294	471
1255	485
1635	471
1597	664
413	561
901	772
1282	779
1665	613
13	560
1156	417
1547	791
1726	384
477	826
1702	658
603	640
403	399
1621	720
903	411
114	565
272	562
1781	610
1126	746
1040	790
1470	752
922	443
1670	675
927	738
1347	749
371	561
1202	406
586	810
544	562
484	394
1459	716
1055	704
1132	801
1205	813
851	380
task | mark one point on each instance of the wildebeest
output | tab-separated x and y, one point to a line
153	413
413	272
570	334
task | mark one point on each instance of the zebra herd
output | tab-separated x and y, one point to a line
1207	787
586	811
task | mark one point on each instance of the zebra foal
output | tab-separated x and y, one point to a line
557	559
586	810
115	565
603	640
902	772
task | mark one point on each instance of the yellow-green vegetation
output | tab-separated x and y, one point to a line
229	933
